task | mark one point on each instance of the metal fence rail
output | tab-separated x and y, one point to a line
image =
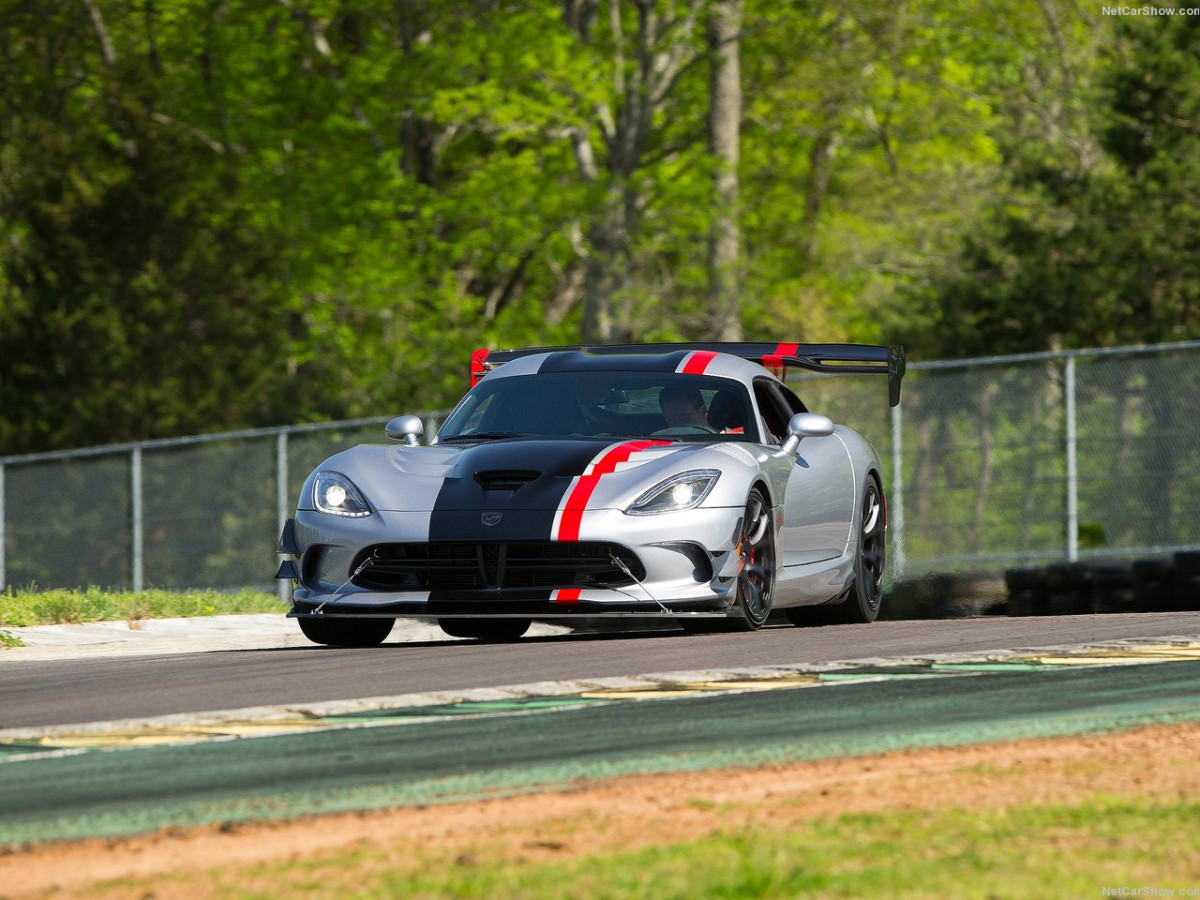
1001	461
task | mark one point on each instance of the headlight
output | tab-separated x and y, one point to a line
336	494
680	492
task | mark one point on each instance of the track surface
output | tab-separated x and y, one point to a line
34	694
391	759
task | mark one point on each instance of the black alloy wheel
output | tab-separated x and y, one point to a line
489	630
756	575
866	594
861	602
756	565
338	632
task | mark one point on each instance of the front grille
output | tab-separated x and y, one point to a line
495	565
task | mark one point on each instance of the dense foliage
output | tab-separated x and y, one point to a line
226	213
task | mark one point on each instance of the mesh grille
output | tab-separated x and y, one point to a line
496	565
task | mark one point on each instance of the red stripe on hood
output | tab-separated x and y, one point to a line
581	493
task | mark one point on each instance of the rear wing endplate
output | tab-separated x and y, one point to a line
829	358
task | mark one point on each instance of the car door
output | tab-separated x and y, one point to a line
818	506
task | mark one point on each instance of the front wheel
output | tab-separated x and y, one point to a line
347	632
756	566
490	630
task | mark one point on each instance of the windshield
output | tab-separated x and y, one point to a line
604	404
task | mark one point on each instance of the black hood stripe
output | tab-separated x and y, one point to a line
466	510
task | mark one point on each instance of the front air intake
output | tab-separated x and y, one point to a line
490	566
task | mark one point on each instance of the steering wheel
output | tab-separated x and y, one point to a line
684	430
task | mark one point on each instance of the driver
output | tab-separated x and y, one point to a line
683	406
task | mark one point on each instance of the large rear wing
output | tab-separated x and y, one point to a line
829	358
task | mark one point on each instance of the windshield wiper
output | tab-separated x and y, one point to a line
483	436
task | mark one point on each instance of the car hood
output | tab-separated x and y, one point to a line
522	473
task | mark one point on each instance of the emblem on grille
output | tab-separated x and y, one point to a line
492	518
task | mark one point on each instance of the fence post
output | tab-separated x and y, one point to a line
896	508
1072	461
135	484
430	428
3	574
283	586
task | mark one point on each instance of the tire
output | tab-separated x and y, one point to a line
1069	589
1024	579
1153	570
337	632
862	601
1153	589
1112	588
865	598
487	630
1026	591
1022	603
756	571
1187	580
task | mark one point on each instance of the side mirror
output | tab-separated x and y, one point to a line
805	425
405	428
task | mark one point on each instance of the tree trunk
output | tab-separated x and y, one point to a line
725	115
646	62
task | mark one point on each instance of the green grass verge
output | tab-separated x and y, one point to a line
53	607
1022	852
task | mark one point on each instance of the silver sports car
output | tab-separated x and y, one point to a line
662	480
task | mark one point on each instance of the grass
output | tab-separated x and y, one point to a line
52	607
1019	852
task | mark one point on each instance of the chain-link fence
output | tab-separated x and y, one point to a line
1003	461
1028	459
201	512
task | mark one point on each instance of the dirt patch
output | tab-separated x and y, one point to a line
637	811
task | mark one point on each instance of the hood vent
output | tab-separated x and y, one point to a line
505	479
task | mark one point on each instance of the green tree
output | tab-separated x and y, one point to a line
1092	248
138	302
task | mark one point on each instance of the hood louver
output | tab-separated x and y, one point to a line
505	479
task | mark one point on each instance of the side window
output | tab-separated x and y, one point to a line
795	404
773	408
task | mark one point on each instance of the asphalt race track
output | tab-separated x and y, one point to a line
35	694
128	744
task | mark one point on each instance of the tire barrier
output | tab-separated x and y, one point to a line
1145	585
945	595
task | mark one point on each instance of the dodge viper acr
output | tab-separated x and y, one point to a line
662	480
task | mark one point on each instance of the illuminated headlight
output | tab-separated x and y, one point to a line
336	494
683	491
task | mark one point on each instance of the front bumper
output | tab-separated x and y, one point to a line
680	563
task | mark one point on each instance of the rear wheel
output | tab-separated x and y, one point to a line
347	632
492	630
864	597
866	594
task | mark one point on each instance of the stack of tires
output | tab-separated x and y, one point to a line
1144	585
